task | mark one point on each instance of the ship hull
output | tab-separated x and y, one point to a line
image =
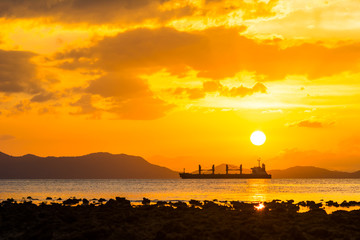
224	176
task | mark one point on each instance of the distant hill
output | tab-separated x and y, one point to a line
92	166
311	172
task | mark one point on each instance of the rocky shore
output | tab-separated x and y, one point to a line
118	219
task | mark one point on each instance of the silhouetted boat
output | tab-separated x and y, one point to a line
256	172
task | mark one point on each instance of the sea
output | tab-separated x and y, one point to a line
247	190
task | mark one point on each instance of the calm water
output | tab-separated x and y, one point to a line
178	189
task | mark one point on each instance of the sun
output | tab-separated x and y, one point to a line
258	138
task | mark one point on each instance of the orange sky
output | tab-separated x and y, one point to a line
183	82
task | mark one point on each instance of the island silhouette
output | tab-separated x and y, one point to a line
104	165
91	166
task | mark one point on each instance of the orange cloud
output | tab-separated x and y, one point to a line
215	86
118	85
216	53
141	108
191	93
85	106
310	124
6	137
243	91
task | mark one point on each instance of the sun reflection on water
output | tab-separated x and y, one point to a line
257	189
260	206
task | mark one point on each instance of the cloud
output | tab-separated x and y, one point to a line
328	21
23	106
232	53
142	108
6	137
85	105
127	96
215	53
17	73
124	12
243	91
133	12
212	86
78	10
122	58
118	85
310	124
191	93
140	49
216	86
43	97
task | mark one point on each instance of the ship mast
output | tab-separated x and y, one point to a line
259	159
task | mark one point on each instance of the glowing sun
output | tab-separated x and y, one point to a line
258	138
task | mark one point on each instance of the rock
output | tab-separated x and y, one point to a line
71	201
145	201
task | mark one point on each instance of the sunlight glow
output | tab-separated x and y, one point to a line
258	138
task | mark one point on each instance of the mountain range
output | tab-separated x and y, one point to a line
95	165
111	166
311	172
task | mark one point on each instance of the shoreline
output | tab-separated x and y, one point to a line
304	206
120	219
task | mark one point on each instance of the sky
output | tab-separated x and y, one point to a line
183	82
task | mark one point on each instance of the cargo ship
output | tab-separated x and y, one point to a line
256	172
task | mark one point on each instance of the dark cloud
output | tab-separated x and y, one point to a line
89	11
128	11
17	73
43	97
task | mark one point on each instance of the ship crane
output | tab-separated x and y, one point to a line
233	169
257	172
212	169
